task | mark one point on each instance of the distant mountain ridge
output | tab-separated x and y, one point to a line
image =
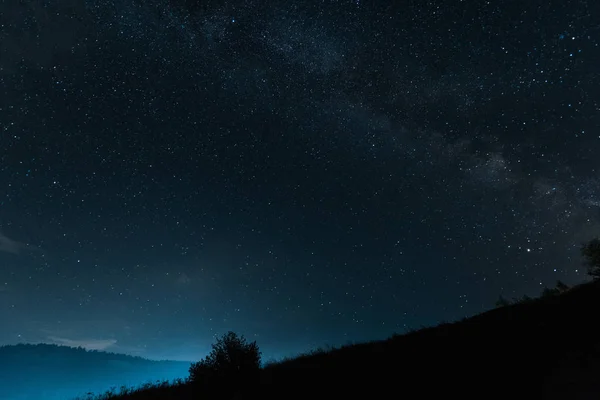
54	372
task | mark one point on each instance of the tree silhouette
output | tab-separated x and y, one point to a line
502	302
591	253
232	363
561	286
547	292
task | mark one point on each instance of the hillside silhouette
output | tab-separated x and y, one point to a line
544	348
51	372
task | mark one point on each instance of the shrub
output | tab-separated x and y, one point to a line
561	287
232	364
591	253
502	302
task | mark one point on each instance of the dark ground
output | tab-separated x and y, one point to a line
548	348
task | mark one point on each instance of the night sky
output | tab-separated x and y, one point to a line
303	173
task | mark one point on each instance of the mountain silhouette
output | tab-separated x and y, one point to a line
52	372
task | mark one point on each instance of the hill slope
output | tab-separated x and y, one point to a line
51	372
541	349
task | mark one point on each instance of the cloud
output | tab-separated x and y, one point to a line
88	344
8	245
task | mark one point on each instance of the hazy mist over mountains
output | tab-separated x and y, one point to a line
52	372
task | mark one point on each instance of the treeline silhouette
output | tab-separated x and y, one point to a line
531	348
546	292
52	372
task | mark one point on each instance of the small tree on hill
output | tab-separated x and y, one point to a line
502	302
547	292
562	287
591	253
233	362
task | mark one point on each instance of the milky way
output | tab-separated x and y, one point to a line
306	174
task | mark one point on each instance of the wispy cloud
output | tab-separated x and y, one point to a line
88	344
8	245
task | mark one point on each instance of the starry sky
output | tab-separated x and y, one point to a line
305	173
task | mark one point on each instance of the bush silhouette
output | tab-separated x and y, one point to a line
547	292
232	364
562	287
502	302
591	253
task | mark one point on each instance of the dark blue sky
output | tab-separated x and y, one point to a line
305	174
